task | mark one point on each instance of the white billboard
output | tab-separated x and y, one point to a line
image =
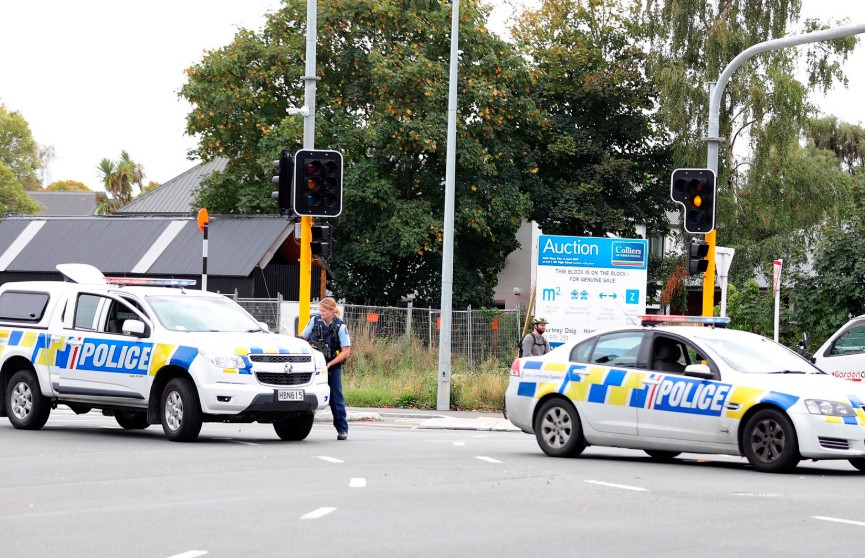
584	284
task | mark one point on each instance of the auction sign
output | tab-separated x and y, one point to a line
585	284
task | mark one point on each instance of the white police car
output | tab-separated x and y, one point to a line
672	389
843	354
148	355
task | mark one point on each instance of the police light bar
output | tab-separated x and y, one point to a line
656	319
151	282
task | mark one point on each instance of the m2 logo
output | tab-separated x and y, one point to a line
551	294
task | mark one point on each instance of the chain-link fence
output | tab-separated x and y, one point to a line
476	335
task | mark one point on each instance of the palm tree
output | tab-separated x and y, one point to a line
118	178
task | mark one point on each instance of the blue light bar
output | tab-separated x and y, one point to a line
656	319
150	282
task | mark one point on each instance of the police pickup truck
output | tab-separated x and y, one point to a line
150	354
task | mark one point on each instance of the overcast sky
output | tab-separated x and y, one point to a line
94	77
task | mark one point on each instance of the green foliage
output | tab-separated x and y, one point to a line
13	198
601	155
67	186
118	178
846	141
382	102
830	293
18	149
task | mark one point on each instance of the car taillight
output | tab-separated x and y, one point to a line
515	367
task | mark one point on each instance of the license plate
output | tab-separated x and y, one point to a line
289	395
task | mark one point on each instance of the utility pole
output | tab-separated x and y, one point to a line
716	91
443	399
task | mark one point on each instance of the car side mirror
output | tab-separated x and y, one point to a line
699	371
134	327
264	327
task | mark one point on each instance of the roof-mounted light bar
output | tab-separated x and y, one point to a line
656	319
150	282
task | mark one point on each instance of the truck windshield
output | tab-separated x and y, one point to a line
750	353
187	313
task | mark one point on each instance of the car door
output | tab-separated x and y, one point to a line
679	407
97	361
845	355
601	381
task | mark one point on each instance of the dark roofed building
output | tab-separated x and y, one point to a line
175	197
254	256
64	203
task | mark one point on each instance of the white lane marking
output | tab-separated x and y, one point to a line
836	520
459	443
756	494
357	483
329	459
320	512
488	459
190	554
232	440
622	486
481	436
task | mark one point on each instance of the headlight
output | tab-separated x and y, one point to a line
223	360
831	408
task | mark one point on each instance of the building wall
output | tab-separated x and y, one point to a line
518	276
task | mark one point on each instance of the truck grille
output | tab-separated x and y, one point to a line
279	359
833	443
283	379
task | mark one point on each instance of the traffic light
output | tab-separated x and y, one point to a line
697	257
321	244
285	166
695	189
318	183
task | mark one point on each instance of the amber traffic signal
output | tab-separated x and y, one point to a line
696	190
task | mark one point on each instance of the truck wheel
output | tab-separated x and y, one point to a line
769	442
294	428
558	429
132	420
27	408
181	413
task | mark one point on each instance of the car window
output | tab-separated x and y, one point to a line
673	355
581	352
617	349
85	311
852	341
23	306
117	314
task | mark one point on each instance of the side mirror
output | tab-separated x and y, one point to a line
699	371
134	327
264	327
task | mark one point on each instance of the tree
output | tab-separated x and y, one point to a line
603	159
13	198
118	178
67	186
845	140
18	150
382	101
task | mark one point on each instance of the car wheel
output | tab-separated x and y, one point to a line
181	414
769	442
294	428
132	420
26	407
858	462
662	455
558	429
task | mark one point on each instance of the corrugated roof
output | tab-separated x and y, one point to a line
236	244
65	203
175	197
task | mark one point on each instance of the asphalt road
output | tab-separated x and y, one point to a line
82	487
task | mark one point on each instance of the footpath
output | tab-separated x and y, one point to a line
422	418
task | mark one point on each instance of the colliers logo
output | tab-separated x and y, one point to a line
628	254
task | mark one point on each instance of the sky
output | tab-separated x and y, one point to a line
95	77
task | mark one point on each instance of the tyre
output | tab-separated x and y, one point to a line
662	455
294	428
858	462
558	429
132	420
180	411
26	407
769	442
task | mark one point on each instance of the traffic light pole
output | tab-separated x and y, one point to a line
304	294
716	90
